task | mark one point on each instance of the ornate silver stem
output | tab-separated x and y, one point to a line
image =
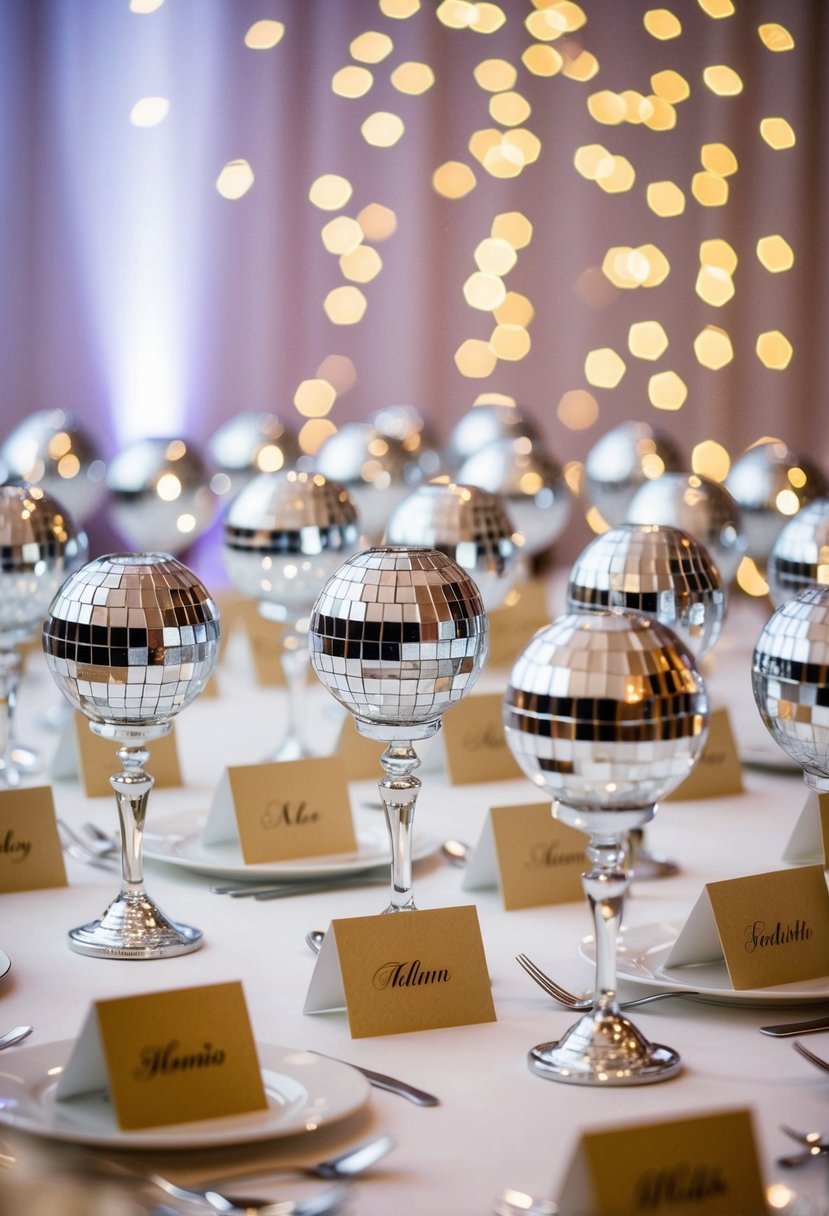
399	790
605	886
295	662
10	667
132	789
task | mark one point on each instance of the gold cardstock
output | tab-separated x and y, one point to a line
415	971
98	760
774	928
360	756
297	808
706	1163
823	811
476	746
265	641
181	1055
525	611
31	857
540	861
718	771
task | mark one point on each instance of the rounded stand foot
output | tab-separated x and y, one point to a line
133	927
604	1048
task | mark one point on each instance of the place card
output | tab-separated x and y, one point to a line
264	637
360	755
31	856
718	771
532	857
177	1056
81	753
525	610
770	928
282	811
704	1163
412	971
475	743
809	841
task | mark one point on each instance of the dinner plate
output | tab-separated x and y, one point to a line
770	756
304	1092
5	964
187	850
640	959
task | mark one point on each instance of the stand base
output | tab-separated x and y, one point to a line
646	866
604	1049
291	748
133	927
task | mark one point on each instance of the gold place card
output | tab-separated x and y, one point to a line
529	855
809	841
394	974
80	753
30	853
704	1163
770	928
168	1057
264	638
718	772
475	743
279	812
524	611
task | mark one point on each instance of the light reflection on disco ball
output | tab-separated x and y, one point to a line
484	424
530	482
161	498
620	462
406	424
697	505
659	571
771	483
469	525
246	445
800	555
52	449
376	471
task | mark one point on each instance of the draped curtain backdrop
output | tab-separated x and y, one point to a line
139	297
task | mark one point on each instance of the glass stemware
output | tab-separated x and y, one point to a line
607	713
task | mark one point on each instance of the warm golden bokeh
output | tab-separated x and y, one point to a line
264	35
775	253
413	78
351	81
712	347
453	179
330	192
235	179
647	340
603	368
667	391
774	350
711	459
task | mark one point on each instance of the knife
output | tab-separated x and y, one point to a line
380	1081
785	1029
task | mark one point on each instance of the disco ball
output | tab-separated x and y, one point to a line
484	424
800	556
623	459
161	497
407	425
246	445
52	449
699	506
771	483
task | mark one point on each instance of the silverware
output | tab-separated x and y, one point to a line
813	1142
105	857
15	1036
300	887
381	1081
818	1061
784	1029
456	852
571	1001
314	939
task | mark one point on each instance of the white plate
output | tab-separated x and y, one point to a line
769	757
187	850
304	1092
5	964
641	956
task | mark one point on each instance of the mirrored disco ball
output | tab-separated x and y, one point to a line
470	526
376	470
131	638
246	445
800	556
790	678
52	449
699	506
484	424
161	497
660	571
606	711
530	482
406	424
398	636
770	482
285	534
625	458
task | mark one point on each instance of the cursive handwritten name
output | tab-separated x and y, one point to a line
167	1059
408	975
681	1183
757	937
285	814
546	854
17	850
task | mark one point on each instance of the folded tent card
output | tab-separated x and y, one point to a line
529	855
31	857
809	841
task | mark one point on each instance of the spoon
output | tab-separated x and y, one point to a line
15	1036
456	852
314	939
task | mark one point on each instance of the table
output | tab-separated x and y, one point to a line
498	1125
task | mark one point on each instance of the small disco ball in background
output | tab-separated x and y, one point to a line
160	494
770	483
483	424
246	445
699	506
53	450
407	425
620	462
800	556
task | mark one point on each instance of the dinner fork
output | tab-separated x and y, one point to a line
818	1061
86	851
582	1004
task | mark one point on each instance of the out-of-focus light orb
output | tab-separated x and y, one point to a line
341	235
658	265
528	144
509	109
584	66
775	253
453	179
800	556
719	254
235	179
495	75
663	114
542	60
662	24
712	347
483	141
264	35
351	81
714	285
330	192
247	444
371	47
722	80
53	450
406	425
710	459
382	129
667	391
620	462
377	221
510	342
339	371
345	305
314	434
361	265
665	199
593	160
488	18
483	424
161	498
399	9
620	178
709	189
504	161
719	159
647	340
577	409
699	506
149	111
775	37
771	483
456	14
603	368
515	310
777	133
314	398
484	291
475	359
717	8
670	86
514	228
495	256
145	6
413	78
774	350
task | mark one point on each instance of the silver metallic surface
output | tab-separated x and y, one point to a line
531	484
469	525
248	444
770	482
52	449
484	424
699	506
407	425
790	678
660	571
161	498
625	458
800	556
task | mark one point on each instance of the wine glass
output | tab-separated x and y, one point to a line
606	712
130	640
398	635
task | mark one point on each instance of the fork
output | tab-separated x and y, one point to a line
583	1004
94	855
818	1061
